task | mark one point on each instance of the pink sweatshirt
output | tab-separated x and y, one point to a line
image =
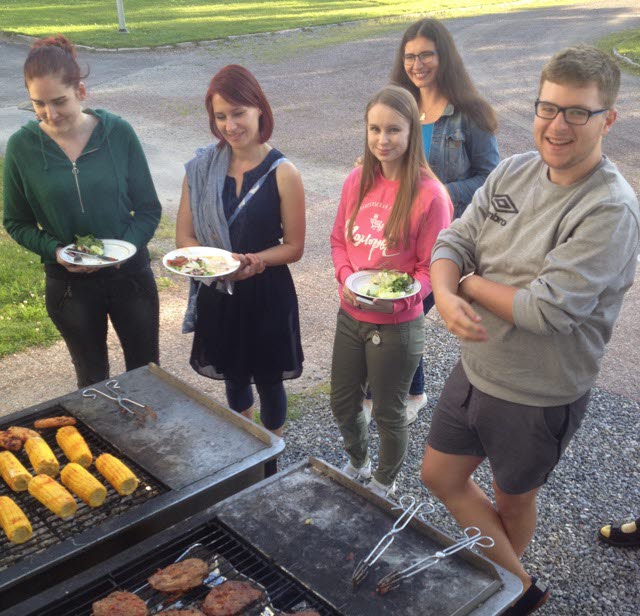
432	211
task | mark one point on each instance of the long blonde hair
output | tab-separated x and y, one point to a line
414	165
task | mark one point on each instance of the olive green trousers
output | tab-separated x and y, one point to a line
385	356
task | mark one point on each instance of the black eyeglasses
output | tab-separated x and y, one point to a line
572	115
425	57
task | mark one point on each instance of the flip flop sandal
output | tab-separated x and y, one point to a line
536	596
618	538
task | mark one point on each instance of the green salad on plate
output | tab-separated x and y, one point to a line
389	284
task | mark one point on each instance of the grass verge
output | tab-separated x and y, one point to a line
161	22
23	316
627	44
296	402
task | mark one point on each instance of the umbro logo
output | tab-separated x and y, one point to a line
503	204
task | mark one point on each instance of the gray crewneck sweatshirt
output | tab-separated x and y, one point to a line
571	251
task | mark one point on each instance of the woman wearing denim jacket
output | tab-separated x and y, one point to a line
458	130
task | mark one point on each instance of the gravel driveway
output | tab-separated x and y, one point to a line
318	82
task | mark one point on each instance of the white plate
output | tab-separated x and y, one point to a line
360	281
118	249
202	251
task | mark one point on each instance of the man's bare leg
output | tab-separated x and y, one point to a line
519	514
448	477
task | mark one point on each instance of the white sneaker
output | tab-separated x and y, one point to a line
414	406
367	407
380	489
359	474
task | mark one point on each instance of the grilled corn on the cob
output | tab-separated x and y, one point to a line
74	446
42	459
83	484
13	521
12	471
117	474
53	496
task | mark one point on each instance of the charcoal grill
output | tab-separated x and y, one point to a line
195	454
299	534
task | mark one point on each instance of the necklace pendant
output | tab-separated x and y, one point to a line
423	116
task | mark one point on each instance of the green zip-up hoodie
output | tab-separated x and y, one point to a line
108	191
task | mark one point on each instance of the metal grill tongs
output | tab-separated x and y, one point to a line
410	508
126	405
472	537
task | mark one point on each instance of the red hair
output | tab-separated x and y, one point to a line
238	86
54	55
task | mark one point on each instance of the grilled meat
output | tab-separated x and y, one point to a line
179	261
231	598
9	441
120	603
180	576
22	433
54	422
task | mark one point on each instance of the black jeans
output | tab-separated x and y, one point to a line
80	306
417	384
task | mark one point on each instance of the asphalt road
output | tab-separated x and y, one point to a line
318	90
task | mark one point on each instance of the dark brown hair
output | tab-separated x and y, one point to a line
414	166
452	78
54	55
581	65
238	86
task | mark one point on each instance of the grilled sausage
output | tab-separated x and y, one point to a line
180	577
120	603
54	422
231	598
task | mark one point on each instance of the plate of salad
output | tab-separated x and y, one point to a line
201	262
382	284
90	251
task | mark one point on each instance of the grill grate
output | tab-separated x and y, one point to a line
48	529
284	591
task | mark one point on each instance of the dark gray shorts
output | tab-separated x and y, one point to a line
523	443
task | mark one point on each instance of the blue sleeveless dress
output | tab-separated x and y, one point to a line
254	334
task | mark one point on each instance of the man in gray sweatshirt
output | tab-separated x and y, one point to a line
547	248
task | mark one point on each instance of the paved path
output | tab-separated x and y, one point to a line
318	92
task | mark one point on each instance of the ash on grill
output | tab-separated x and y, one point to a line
49	529
229	558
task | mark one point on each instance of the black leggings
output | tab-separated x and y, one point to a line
81	306
273	401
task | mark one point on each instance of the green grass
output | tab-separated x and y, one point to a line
295	402
160	22
23	317
627	43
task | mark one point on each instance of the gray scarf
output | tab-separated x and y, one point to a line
206	174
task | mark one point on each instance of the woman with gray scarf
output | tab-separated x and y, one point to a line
242	195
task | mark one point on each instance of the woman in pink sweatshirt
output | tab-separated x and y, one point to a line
391	211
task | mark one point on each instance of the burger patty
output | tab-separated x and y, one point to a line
181	576
120	603
231	598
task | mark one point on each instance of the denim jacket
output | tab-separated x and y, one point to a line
462	156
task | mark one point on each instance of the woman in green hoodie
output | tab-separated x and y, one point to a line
78	171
